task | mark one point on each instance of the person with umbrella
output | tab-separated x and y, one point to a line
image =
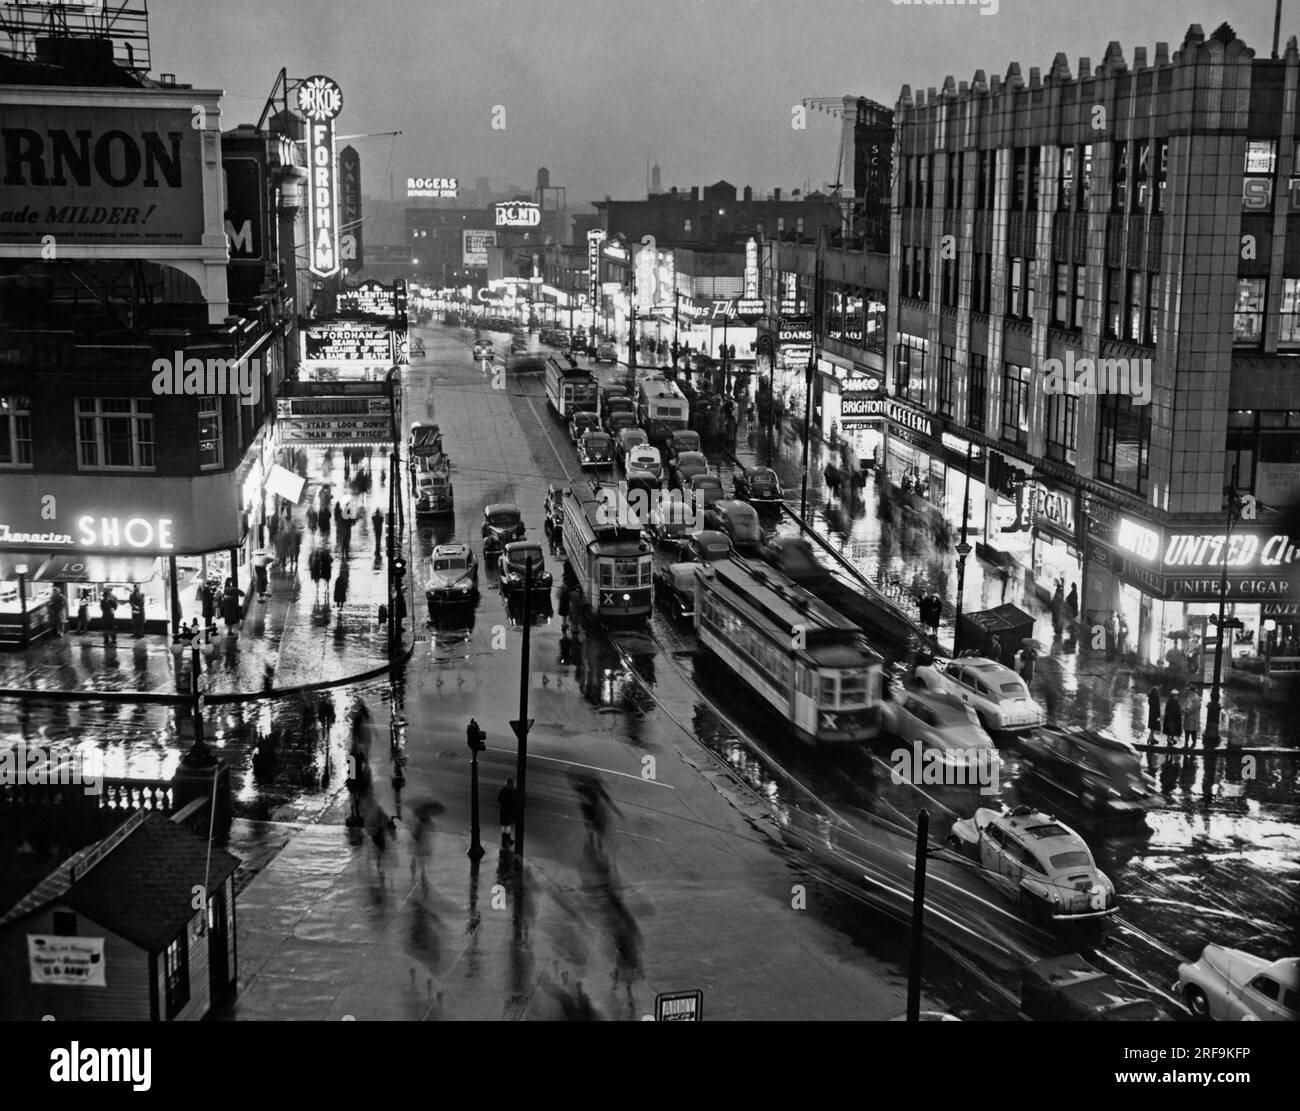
259	574
1153	714
1173	718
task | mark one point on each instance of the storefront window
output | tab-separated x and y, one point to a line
1289	324
874	322
15	431
115	433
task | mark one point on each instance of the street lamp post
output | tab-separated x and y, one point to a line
811	369
963	550
766	347
524	722
199	754
1213	710
394	478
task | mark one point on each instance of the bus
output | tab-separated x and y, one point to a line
808	663
611	562
569	388
661	409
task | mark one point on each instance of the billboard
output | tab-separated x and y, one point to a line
66	961
320	100
243	215
518	214
350	249
474	244
347	343
435	187
102	175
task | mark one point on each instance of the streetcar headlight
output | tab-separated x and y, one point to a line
627	597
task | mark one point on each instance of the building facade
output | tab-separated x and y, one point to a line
1095	297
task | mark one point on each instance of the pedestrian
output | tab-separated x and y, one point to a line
136	602
1192	716
341	586
208	602
508	801
1153	714
311	518
1028	655
263	587
58	610
323	520
377	520
1173	718
1072	609
1122	639
995	648
231	608
338	515
107	613
295	546
326	565
325	714
1057	608
83	611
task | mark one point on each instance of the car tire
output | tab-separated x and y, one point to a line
1197	1002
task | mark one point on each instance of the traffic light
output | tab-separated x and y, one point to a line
475	738
399	569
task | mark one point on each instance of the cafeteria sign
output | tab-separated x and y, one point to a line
66	961
320	100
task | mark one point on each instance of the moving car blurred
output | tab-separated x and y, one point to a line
675	589
1231	985
936	721
998	695
482	349
1104	775
1069	989
739	520
514	562
502	523
453	576
606	353
1040	864
794	557
708	488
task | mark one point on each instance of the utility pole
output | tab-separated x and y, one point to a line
524	722
918	918
963	550
394	477
475	739
631	331
811	370
765	346
1213	710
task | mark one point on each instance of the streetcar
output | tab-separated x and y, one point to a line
607	555
810	664
661	409
569	388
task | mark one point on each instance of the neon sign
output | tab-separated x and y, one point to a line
320	100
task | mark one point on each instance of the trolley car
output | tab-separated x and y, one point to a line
807	662
607	555
569	388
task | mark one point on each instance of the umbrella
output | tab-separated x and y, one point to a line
1181	634
1036	645
427	809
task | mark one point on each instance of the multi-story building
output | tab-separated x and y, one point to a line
1095	299
146	319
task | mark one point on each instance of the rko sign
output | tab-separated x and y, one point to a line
320	100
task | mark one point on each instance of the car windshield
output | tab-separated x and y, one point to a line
1062	861
521	556
500	520
453	563
1017	689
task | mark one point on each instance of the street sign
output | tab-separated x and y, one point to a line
521	733
679	1006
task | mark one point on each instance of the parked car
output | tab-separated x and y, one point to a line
759	485
581	422
614	407
704	547
938	722
998	695
673	519
596	450
629	438
553	507
502	523
606	353
642	466
619	421
738	520
708	488
675	589
682	440
482	349
434	494
453	576
1104	775
685	467
1037	862
1230	985
513	567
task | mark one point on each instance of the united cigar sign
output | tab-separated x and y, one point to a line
102	174
320	100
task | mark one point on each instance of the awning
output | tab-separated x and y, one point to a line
79	567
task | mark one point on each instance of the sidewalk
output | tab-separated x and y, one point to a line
296	637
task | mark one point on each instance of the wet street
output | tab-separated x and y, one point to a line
641	714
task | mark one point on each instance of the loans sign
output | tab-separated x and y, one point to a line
320	100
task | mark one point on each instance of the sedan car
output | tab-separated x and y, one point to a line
627	439
596	450
482	349
939	723
704	547
581	422
453	576
1103	775
793	556
642	467
675	589
1040	864
514	563
606	353
997	694
502	523
685	466
759	485
682	440
616	422
1231	985
673	518
707	488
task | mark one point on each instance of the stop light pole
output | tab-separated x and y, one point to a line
475	739
524	723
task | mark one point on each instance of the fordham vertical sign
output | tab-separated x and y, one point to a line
320	100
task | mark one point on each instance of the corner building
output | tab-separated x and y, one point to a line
1139	213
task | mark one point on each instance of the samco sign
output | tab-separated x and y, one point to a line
104	175
518	214
320	100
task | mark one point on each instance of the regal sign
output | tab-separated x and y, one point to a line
320	100
518	214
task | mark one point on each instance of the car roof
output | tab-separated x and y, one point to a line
502	507
683	575
1025	819
983	666
444	551
702	478
522	546
692	457
711	536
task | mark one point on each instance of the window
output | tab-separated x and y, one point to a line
984	179
1134	300
209	432
1065	193
1015	404
909	369
1160	160
1079	292
1019	178
1062	427
1114	312
1257	182
977	401
1031	186
1020	288
1062	303
15	431
1265	986
176	974
1151	335
981	281
946	361
1085	180
1248	314
1288	335
115	433
1123	441
951	283
780	225
929	181
1119	175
